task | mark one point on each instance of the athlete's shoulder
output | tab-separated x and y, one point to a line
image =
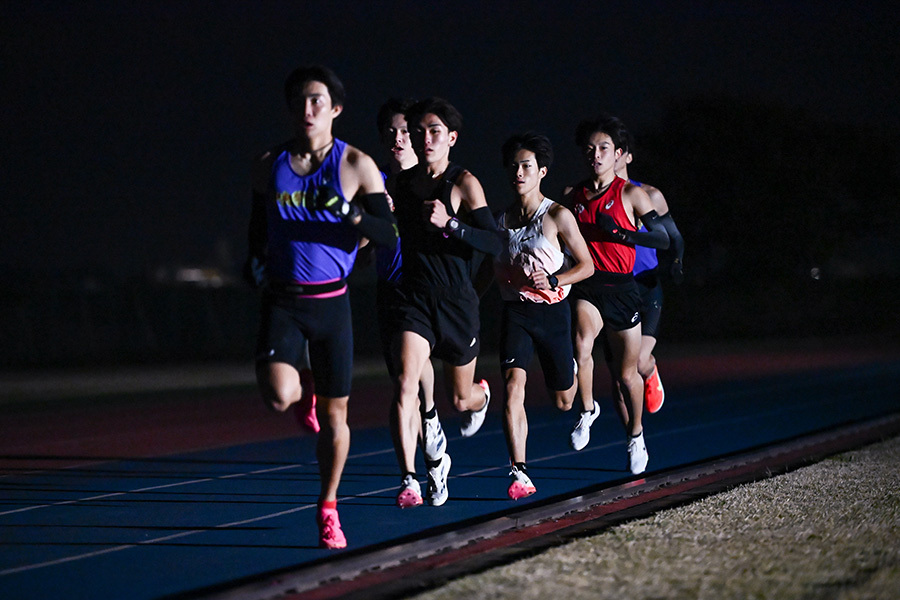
656	197
637	198
356	158
560	213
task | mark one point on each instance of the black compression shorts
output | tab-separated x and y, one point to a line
527	327
288	322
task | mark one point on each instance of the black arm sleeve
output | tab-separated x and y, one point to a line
377	222
676	245
655	236
483	234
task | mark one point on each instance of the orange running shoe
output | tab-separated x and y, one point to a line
654	394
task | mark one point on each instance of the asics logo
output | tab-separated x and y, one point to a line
473	342
509	361
635	317
609	204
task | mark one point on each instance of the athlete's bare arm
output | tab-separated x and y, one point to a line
362	185
568	232
479	230
637	203
466	197
656	199
359	174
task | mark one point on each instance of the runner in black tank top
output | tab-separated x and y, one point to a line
442	216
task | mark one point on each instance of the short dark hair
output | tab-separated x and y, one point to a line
609	125
393	106
534	142
445	111
301	75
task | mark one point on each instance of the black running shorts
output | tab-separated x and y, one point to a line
615	296
288	322
446	317
526	327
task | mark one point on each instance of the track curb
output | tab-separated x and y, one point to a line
413	565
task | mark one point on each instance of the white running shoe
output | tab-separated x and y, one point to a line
521	485
410	493
581	434
474	419
437	482
637	454
435	442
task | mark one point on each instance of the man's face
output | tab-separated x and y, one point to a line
396	139
524	173
431	139
622	162
600	154
311	109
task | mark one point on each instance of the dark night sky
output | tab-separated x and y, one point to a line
129	126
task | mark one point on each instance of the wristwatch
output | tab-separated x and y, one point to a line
452	225
553	280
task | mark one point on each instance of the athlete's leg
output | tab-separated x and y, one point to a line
565	398
515	423
647	361
406	420
466	395
279	384
588	324
333	444
426	386
625	347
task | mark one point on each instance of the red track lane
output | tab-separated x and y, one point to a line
62	432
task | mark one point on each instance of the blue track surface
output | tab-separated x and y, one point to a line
153	528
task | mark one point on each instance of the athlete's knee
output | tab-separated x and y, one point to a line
645	366
279	398
332	414
565	399
407	389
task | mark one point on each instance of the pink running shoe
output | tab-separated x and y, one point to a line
654	395
330	534
305	409
410	493
521	485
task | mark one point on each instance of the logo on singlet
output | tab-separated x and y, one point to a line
609	204
579	208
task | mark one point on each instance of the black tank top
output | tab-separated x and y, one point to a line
430	258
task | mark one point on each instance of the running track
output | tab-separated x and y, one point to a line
164	494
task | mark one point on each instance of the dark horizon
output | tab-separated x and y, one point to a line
130	127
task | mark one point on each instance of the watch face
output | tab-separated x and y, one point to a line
453	224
